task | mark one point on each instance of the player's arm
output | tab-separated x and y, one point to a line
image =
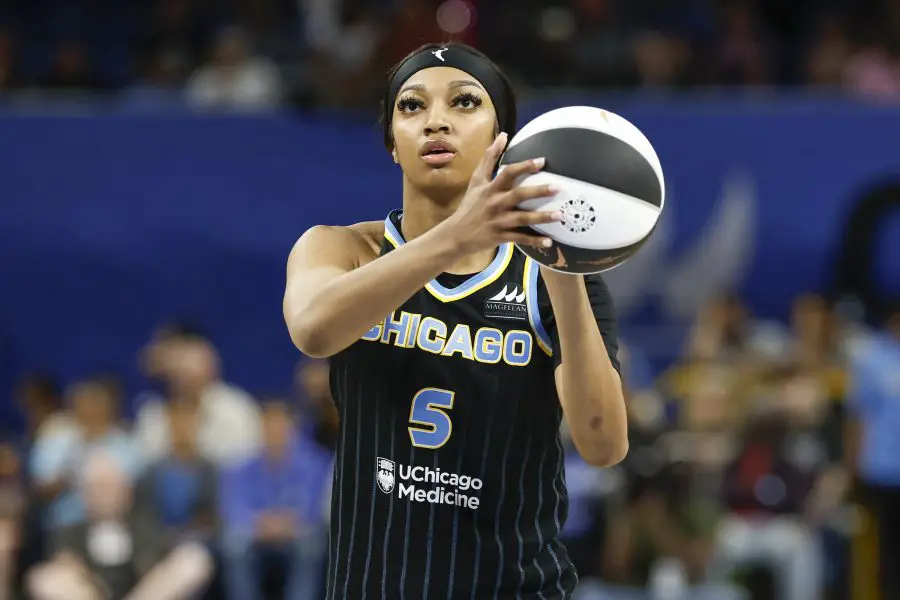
587	381
331	300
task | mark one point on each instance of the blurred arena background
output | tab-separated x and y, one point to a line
158	158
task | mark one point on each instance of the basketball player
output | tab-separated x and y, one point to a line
453	358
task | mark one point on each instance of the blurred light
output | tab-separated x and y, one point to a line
454	16
557	24
770	490
648	410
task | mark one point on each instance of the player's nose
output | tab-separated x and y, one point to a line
437	122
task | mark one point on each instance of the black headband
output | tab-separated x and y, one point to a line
457	58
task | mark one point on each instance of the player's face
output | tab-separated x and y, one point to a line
443	122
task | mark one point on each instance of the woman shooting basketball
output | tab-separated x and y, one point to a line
453	358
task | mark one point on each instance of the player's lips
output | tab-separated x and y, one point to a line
437	152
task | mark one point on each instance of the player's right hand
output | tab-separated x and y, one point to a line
489	215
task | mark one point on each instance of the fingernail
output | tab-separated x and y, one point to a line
553	189
504	136
547	243
539	162
557	215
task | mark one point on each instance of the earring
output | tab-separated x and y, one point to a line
396	158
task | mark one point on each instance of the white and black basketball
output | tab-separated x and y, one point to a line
611	187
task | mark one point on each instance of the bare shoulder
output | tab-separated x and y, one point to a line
370	234
355	244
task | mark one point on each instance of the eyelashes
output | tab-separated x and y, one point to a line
474	100
465	100
407	103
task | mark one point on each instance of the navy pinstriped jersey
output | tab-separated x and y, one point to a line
449	480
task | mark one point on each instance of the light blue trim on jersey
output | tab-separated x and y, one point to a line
532	271
469	286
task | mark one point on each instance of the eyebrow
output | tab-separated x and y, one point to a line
419	87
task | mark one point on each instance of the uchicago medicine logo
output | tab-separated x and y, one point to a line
426	484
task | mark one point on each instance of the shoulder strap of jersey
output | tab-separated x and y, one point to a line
531	277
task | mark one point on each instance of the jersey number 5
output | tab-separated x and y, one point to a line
432	426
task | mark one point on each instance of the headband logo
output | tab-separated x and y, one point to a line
440	54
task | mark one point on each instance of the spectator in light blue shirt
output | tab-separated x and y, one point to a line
874	402
57	457
274	511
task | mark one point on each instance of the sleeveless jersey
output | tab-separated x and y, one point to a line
449	479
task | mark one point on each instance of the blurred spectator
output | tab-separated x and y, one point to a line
873	71
8	60
411	24
274	508
818	345
72	69
12	502
39	398
186	364
112	554
815	335
722	332
180	491
274	25
743	52
58	456
779	488
874	442
660	59
344	37
346	31
601	45
173	43
662	540
708	416
679	470
321	45
829	54
235	79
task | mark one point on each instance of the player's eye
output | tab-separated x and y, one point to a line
409	104
467	101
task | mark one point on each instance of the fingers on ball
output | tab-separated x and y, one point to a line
526	218
517	219
536	241
530	192
508	176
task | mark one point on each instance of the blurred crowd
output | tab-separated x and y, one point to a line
260	54
762	463
204	490
758	462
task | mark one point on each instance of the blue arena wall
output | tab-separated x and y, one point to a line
109	224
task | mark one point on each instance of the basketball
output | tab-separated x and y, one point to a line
611	186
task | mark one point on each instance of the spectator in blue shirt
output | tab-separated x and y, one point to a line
274	511
179	492
39	397
57	457
874	402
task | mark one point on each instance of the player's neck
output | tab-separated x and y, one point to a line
421	214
